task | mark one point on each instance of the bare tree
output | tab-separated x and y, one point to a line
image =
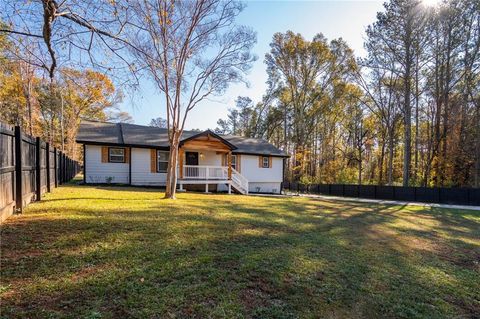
191	49
50	33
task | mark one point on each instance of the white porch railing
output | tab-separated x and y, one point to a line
204	172
239	181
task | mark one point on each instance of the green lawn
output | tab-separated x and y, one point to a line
98	252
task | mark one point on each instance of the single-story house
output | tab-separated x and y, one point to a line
138	155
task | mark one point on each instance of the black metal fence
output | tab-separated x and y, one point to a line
29	167
455	196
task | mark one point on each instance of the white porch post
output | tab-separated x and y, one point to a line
181	186
229	188
206	188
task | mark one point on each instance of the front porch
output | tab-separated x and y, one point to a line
207	159
201	174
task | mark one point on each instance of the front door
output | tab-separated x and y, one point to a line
191	158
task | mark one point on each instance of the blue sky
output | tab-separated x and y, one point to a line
335	19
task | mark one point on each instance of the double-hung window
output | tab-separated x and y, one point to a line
162	161
116	155
233	160
265	162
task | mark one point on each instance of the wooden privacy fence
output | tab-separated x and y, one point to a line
455	196
29	167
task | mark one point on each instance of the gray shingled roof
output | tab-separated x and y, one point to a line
139	135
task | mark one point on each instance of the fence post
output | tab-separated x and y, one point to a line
63	168
18	170
38	160
55	168
47	164
62	171
60	168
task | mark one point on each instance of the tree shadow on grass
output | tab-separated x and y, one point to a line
225	258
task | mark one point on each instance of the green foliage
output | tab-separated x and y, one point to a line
306	179
406	114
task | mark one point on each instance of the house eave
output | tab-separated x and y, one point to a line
261	154
166	148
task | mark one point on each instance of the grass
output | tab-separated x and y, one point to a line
118	252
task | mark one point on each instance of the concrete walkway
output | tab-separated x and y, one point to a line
375	201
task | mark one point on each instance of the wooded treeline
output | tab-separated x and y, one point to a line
53	109
406	114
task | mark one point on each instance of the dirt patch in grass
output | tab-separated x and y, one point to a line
461	257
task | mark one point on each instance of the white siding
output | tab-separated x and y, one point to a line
267	179
264	180
98	172
249	169
141	173
264	188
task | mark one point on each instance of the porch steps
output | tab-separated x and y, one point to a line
239	182
198	174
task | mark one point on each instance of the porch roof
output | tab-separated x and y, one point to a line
93	132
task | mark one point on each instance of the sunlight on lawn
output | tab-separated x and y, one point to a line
110	252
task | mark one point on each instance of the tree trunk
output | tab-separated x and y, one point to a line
407	154
380	164
438	114
28	100
390	158
171	185
446	120
477	147
62	130
360	167
417	94
381	159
